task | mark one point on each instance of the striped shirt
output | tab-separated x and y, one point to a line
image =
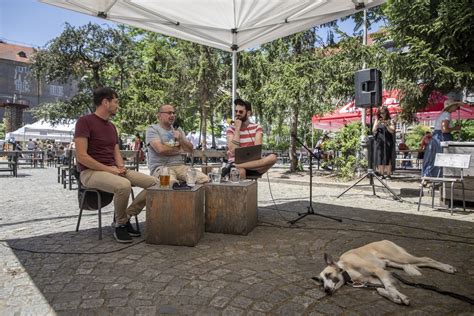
247	136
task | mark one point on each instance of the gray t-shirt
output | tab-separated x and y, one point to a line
155	160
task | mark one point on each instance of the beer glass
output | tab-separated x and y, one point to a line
164	177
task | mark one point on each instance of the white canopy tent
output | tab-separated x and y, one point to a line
230	25
43	130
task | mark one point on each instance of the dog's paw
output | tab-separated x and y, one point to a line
401	299
395	297
404	299
449	268
411	269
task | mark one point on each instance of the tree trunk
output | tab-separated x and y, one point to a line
211	117
293	143
204	111
96	77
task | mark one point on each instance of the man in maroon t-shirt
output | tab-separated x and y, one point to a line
101	164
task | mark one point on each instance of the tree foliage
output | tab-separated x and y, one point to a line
344	147
435	48
90	56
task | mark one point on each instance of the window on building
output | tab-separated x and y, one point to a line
22	54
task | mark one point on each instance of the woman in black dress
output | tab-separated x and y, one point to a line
384	132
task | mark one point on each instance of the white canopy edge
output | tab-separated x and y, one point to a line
225	24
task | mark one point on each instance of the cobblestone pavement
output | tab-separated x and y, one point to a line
46	268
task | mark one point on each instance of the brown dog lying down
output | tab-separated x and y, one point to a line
367	264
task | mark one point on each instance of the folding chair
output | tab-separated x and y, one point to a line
454	161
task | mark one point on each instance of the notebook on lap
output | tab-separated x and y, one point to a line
246	154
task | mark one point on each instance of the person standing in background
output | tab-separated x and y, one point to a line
442	133
138	145
384	131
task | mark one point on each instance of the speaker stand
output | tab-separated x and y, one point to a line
371	175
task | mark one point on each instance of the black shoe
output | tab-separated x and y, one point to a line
121	234
132	231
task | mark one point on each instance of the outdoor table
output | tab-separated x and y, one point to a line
455	147
409	156
174	217
10	160
207	154
231	208
32	158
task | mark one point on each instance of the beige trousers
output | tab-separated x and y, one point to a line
178	172
121	187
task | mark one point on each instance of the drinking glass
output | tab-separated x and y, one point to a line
164	177
216	177
191	177
234	175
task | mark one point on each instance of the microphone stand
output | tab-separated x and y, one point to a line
310	210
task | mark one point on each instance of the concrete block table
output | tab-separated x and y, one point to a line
174	217
231	208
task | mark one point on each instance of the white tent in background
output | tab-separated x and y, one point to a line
230	25
63	133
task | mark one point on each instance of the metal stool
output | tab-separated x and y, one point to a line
95	200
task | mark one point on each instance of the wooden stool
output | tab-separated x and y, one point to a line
231	208
174	217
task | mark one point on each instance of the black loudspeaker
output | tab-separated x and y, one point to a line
368	88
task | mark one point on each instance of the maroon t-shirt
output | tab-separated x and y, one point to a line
101	138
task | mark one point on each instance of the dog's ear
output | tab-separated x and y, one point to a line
329	260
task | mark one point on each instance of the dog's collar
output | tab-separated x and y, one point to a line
348	280
346	277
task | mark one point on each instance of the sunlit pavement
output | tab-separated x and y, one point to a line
48	268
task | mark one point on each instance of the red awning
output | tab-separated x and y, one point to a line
350	113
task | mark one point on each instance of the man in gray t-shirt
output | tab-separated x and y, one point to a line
165	145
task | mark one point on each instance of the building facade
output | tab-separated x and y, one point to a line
19	87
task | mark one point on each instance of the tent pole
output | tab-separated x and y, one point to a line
364	42
363	135
234	81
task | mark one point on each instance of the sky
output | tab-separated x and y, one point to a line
31	23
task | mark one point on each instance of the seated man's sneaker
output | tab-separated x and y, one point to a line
121	234
132	231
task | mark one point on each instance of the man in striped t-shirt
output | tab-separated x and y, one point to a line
243	134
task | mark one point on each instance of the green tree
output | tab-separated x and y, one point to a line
344	146
435	42
91	56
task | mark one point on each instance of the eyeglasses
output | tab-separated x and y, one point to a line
240	111
169	113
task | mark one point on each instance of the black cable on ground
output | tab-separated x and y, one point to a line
390	224
67	252
268	224
434	289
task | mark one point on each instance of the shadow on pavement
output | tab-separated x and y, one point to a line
267	271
